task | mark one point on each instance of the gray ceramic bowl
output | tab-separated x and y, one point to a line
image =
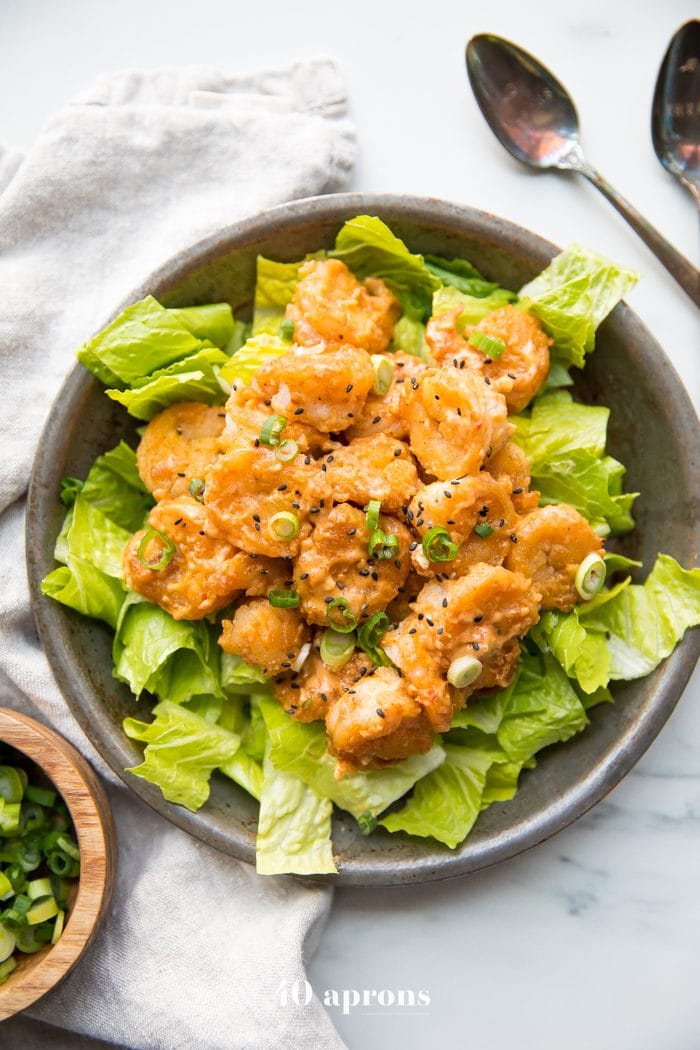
653	429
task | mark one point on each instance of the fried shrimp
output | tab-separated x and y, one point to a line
476	614
201	572
334	563
478	514
325	387
246	415
265	636
512	465
377	722
247	489
331	304
177	446
551	544
386	413
522	367
309	694
456	422
377	467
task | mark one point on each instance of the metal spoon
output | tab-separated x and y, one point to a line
533	116
675	111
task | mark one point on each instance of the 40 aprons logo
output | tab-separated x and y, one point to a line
368	1000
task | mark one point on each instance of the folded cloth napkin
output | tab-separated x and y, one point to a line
196	946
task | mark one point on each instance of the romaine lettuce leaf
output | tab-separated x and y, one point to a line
194	378
82	587
114	486
625	633
274	288
145	337
212	323
174	659
237	676
572	296
301	748
445	804
462	275
95	538
253	354
246	772
566	443
368	247
409	336
182	751
472	309
294	827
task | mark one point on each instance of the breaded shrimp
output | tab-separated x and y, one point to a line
551	544
400	607
246	415
331	304
460	506
513	465
521	369
326	387
334	562
177	446
205	571
477	614
386	414
246	487
377	722
376	467
456	422
265	636
309	694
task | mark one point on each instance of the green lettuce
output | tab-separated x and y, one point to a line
302	749
182	751
626	632
572	296
212	323
237	676
409	336
95	538
368	247
114	486
194	378
294	827
566	444
466	278
254	353
82	587
274	288
246	772
173	659
472	308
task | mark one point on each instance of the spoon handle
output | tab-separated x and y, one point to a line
687	275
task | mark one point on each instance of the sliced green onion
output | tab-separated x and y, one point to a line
33	816
10	815
336	647
11	784
29	854
70	488
7	943
438	546
43	932
68	845
197	489
284	525
287	451
367	822
463	671
346	621
484	530
283	599
383	545
39	888
42	796
272	428
42	911
373	509
166	556
27	940
21	904
58	926
371	631
490	346
286	330
590	576
6	969
6	887
383	374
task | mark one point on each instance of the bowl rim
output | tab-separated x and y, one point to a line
438	863
78	785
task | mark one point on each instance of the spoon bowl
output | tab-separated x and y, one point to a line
675	112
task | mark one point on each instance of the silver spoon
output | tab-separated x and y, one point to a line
533	116
675	111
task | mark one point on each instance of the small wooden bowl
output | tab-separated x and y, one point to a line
75	781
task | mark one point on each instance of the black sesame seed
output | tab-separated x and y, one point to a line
348	388
476	647
444	603
377	419
413	546
256	517
298	411
516	492
413	630
177	521
397	452
281	488
380	713
375	576
304	576
478	619
364	572
513	538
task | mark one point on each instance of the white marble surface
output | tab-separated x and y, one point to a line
592	939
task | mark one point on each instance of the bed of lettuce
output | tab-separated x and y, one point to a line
214	712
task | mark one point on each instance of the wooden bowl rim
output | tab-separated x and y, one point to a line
70	773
